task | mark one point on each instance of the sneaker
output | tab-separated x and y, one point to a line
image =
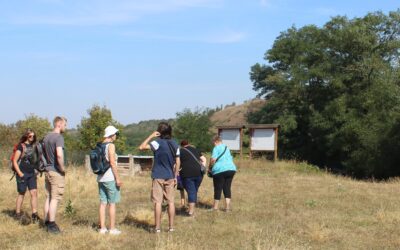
114	231
35	218
156	230
171	229
18	216
53	228
103	231
212	210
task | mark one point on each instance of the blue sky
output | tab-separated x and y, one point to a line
143	59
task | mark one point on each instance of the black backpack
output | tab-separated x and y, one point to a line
98	161
41	161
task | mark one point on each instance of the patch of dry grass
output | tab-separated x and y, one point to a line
283	205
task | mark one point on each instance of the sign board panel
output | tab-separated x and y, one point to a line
231	138
263	139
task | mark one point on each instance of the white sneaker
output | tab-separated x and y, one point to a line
114	231
103	231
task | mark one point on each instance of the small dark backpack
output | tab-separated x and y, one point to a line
98	161
41	161
15	148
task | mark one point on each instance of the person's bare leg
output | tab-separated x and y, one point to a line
33	193
216	204
182	192
171	214
157	215
19	201
227	204
112	209
53	210
102	215
191	208
46	209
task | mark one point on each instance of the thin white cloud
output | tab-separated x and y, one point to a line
221	37
96	12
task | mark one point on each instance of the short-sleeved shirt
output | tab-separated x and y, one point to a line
164	160
190	167
26	164
52	141
225	163
108	175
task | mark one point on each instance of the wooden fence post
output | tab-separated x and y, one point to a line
131	165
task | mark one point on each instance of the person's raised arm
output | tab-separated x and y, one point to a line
145	144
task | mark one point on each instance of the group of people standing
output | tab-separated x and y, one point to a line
23	165
172	164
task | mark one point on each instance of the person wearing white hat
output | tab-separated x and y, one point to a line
109	183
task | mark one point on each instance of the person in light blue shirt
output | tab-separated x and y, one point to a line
222	169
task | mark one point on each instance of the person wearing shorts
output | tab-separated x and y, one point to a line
23	165
109	183
164	172
55	172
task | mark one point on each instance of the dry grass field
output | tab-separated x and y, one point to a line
280	205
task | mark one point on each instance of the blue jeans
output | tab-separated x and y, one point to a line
192	185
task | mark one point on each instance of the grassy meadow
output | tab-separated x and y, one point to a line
283	205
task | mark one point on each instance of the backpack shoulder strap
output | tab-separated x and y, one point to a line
103	146
219	157
23	150
194	157
172	149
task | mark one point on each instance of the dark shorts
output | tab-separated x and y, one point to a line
27	181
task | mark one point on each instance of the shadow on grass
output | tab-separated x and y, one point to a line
133	221
86	223
25	219
204	205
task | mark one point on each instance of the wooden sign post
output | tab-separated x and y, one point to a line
232	137
264	137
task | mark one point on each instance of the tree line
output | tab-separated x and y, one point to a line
191	125
335	91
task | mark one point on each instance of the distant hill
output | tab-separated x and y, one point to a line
230	115
233	115
136	132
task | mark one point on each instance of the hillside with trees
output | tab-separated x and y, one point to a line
335	91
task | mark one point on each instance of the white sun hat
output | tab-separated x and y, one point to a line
109	131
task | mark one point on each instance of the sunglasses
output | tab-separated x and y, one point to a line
31	136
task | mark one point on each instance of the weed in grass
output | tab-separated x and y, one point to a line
311	203
69	211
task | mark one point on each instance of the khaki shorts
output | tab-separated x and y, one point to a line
163	189
54	184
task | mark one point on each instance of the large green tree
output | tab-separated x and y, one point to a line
10	134
335	90
91	129
41	126
194	126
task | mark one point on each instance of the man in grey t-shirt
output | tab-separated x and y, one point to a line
53	141
55	172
